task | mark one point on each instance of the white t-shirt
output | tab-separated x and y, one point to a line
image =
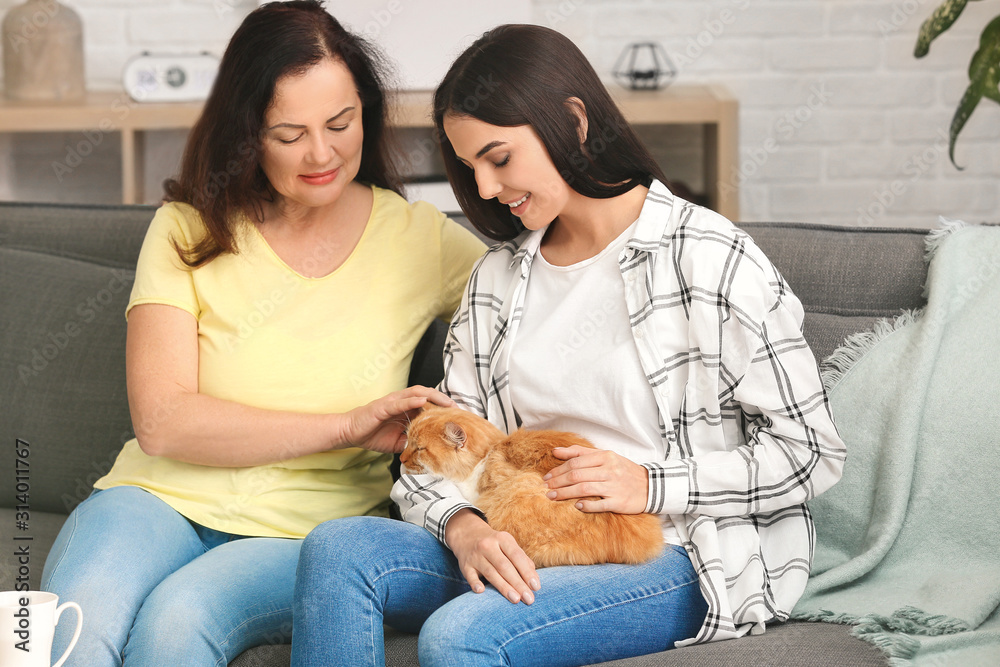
574	335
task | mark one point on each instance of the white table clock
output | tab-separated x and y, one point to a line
170	78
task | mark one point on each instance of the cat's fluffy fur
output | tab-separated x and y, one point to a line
502	476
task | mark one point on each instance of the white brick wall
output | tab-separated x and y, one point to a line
116	30
871	153
839	122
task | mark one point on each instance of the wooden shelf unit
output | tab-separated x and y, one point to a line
105	112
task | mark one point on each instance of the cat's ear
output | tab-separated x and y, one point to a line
454	434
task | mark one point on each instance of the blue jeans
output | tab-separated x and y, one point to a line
157	589
356	574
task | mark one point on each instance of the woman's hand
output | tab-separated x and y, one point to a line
381	425
621	485
495	555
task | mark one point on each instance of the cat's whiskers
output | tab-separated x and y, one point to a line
404	420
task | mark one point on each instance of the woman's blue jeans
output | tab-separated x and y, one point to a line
356	574
157	589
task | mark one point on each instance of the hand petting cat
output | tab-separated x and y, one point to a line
381	425
623	486
495	555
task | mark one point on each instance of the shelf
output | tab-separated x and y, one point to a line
709	106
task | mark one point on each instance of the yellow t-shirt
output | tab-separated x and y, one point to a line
270	338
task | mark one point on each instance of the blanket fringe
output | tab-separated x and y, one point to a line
834	367
921	622
892	634
899	647
825	616
937	235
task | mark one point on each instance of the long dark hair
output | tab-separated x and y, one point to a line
221	175
524	75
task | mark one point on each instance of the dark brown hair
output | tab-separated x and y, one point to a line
220	174
524	75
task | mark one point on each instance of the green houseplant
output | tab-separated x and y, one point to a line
984	69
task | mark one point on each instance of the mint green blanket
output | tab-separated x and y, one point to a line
908	542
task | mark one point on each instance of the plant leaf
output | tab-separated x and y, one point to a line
965	108
984	81
985	65
942	18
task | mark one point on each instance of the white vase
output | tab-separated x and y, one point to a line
43	52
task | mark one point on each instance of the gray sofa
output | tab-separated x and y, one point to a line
65	277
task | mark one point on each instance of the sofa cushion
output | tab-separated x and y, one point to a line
62	371
106	235
846	270
793	643
825	332
845	277
784	644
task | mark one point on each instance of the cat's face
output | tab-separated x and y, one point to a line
448	442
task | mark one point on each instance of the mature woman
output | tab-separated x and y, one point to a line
278	299
697	385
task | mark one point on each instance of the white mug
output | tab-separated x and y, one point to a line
27	623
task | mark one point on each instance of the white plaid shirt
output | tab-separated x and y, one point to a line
746	425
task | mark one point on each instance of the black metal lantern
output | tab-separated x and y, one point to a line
644	66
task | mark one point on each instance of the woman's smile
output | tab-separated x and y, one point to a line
517	207
320	178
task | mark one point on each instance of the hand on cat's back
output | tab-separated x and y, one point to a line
621	485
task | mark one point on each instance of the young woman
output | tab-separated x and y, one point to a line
617	310
278	299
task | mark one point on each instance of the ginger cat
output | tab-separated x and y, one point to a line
502	476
